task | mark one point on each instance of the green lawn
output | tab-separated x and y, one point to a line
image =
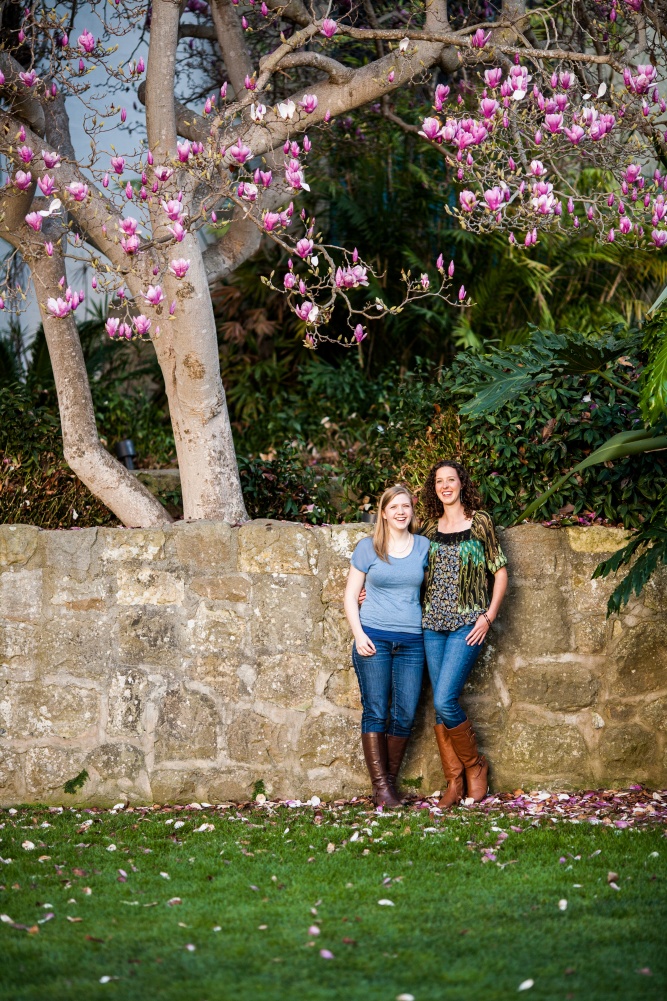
251	889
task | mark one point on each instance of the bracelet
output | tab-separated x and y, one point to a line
487	618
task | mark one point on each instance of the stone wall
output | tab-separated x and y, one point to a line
190	662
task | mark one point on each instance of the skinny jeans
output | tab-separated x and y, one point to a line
390	682
450	660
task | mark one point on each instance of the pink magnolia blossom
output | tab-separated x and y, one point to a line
289	279
537	168
183	150
328	28
611	236
249	83
286	109
270	221
351	277
359	335
257	112
154	295
173	208
130	244
625	225
304	247
462	293
129	225
424	281
240	151
247	191
60	307
48	247
633	173
22	180
34	220
29	78
488	107
307	311
178	231
468	200
78	191
554	123
25	153
636	5
308	103
430	129
450	269
440	262
51	160
575	134
163	173
179	267
141	324
479	39
46	185
295	177
493	77
390	76
111	326
494	198
441	95
118	164
86	41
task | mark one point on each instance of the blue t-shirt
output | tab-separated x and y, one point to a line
392	588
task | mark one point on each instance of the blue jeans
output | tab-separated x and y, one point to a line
392	674
450	660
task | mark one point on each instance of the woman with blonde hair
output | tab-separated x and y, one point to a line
388	650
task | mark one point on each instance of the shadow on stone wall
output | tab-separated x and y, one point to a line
189	662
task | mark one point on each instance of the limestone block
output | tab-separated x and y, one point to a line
641	654
277	547
627	752
71	552
219	630
127	699
533	552
596	539
489	721
336	636
336	558
79	596
481	680
78	642
258	743
326	740
654	595
116	761
561	687
189	785
19	650
17	544
654	714
531	749
10	775
343	689
148	587
118	545
205	547
287	680
48	768
286	615
148	634
40	710
186	726
232	587
535	621
21	595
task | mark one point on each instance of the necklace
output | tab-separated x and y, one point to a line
403	550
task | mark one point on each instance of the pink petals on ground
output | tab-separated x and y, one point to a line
326	954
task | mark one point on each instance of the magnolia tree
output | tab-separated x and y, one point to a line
546	117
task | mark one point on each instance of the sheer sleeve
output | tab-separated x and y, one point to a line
486	533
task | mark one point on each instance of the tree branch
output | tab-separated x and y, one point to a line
232	44
336	72
23	102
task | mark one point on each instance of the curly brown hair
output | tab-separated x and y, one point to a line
470	496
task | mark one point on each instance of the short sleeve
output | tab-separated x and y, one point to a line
493	554
363	555
425	545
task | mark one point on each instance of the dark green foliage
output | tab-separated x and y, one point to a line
72	786
284	487
258	789
645	551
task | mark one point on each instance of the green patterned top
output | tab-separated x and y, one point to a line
457	589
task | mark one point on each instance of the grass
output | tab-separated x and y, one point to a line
460	927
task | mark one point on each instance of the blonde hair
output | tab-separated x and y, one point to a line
381	533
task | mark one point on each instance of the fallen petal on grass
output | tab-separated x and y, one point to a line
326	954
562	905
525	985
386	903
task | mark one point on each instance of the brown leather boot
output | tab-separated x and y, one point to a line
452	766
475	764
395	752
375	753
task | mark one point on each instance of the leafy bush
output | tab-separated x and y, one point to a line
283	487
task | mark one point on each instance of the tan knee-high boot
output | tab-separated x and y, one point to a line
475	764
452	766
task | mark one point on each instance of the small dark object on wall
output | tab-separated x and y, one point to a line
126	452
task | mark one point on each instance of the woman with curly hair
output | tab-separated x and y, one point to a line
458	610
